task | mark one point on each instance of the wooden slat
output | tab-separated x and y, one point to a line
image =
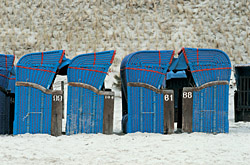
168	98
108	113
90	87
187	110
37	86
209	84
56	118
147	86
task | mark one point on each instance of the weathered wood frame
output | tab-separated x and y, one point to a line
57	106
187	104
168	104
108	110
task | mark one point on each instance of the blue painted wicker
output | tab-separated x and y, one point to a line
33	108
145	111
85	107
207	65
144	107
39	68
6	64
210	106
210	110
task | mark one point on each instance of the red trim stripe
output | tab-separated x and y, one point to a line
143	70
159	58
88	70
62	56
172	57
113	57
197	56
185	55
210	69
42	59
35	69
94	58
3	75
7	77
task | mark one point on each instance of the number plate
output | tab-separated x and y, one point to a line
186	95
168	97
57	98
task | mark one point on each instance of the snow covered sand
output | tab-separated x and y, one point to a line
137	148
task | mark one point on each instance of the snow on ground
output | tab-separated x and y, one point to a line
136	148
